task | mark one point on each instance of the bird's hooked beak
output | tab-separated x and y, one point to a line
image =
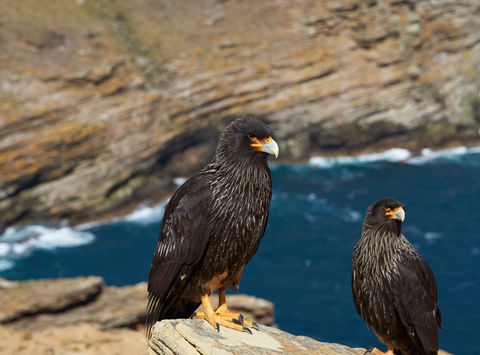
267	145
398	213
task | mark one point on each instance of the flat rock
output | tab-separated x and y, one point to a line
46	295
42	304
197	337
115	307
194	337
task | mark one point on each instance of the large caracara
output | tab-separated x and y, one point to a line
394	289
212	227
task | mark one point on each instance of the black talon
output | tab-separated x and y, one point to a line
240	317
247	330
218	327
237	321
255	326
194	314
369	350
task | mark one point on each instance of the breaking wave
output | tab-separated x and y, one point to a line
146	214
19	242
395	155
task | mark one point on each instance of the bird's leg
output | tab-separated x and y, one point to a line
223	311
375	351
217	320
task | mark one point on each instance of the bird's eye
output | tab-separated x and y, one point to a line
268	140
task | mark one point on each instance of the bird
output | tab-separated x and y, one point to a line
211	228
393	287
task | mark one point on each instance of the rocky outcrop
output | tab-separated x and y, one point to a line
82	315
197	337
106	105
48	303
28	298
194	337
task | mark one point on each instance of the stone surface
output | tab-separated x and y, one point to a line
84	339
104	108
114	307
42	304
195	337
46	296
81	315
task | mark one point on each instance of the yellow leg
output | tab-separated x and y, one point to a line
375	351
223	311
217	320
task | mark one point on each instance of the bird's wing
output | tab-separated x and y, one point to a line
181	244
415	294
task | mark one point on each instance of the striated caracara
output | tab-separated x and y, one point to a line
212	227
394	289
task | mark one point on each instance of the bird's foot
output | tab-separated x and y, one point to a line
375	351
224	312
217	320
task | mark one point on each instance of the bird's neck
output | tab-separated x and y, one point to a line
391	228
381	238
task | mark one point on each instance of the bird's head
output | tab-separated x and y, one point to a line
247	136
386	211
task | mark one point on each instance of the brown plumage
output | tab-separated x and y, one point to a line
394	289
212	226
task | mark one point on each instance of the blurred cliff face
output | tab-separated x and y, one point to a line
102	103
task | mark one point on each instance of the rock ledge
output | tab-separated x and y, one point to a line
194	337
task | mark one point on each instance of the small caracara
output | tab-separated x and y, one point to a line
212	227
394	289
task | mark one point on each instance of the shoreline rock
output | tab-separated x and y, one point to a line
82	315
48	303
197	337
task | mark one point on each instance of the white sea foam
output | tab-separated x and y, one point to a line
146	214
395	155
431	236
18	242
179	181
428	154
5	265
391	155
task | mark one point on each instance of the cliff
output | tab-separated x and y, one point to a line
103	103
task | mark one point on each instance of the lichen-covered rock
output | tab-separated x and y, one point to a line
109	105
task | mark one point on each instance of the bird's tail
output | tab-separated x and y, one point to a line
155	308
158	309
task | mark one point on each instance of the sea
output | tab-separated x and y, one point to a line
304	261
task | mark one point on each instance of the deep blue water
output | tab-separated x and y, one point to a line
303	264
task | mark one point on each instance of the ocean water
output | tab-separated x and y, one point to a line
303	264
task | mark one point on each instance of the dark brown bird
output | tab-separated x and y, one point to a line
394	289
212	227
